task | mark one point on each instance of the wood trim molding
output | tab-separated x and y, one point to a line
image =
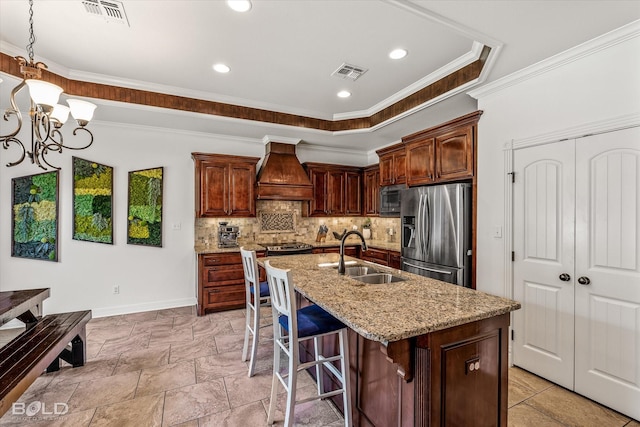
448	83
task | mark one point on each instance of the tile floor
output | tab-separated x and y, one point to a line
172	368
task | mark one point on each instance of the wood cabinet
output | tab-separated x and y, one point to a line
459	377
352	251
224	185
221	282
395	260
393	165
371	190
337	190
443	153
422	381
379	256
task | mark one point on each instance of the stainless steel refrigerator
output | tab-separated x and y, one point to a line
436	232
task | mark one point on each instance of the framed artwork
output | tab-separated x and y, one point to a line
144	218
34	225
92	201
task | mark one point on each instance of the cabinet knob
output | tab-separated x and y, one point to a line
564	277
584	280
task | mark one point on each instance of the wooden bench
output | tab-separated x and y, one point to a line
40	348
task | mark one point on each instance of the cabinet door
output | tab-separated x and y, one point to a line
353	193
372	192
395	260
318	205
400	167
335	193
454	154
386	170
214	182
420	162
241	190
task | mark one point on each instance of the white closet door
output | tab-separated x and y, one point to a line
608	256
544	216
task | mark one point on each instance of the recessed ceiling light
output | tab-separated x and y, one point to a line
239	5
397	53
344	94
221	68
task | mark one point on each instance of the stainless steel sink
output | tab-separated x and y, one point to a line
359	270
378	278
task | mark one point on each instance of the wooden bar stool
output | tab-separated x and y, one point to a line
290	327
257	294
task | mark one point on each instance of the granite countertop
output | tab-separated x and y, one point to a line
392	311
252	245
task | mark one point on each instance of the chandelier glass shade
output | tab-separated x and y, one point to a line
45	113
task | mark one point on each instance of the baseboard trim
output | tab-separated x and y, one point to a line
136	308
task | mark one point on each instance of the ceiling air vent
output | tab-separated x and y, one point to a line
348	71
110	11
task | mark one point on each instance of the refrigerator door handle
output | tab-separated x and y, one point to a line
428	222
418	226
428	269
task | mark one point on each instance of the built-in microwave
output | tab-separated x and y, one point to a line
390	200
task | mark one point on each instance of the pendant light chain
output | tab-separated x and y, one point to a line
32	37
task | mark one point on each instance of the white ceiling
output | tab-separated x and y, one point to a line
282	54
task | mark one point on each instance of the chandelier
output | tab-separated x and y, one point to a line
47	116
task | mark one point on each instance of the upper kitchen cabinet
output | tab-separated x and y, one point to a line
442	153
337	190
393	165
225	185
371	178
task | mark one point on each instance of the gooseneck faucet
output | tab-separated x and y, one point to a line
341	266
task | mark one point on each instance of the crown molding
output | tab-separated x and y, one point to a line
591	47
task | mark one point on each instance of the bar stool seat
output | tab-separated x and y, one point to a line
253	303
313	320
291	326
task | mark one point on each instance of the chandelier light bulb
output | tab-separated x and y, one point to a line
60	114
43	93
81	110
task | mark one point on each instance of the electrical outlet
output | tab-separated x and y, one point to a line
116	289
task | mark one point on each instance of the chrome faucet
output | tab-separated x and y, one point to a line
341	266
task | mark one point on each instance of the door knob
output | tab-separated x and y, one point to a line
564	277
584	280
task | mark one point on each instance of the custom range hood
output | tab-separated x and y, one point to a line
281	176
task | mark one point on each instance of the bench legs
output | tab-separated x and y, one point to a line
75	356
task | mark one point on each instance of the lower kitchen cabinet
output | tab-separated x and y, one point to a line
379	256
221	282
395	260
352	251
453	377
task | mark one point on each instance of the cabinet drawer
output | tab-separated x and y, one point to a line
376	254
219	259
223	275
224	297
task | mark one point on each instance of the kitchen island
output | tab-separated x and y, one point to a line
422	352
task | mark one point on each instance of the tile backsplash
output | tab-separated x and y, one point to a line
280	221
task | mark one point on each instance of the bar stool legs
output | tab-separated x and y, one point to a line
290	327
256	295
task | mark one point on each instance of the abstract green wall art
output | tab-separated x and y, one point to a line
144	218
35	216
92	201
